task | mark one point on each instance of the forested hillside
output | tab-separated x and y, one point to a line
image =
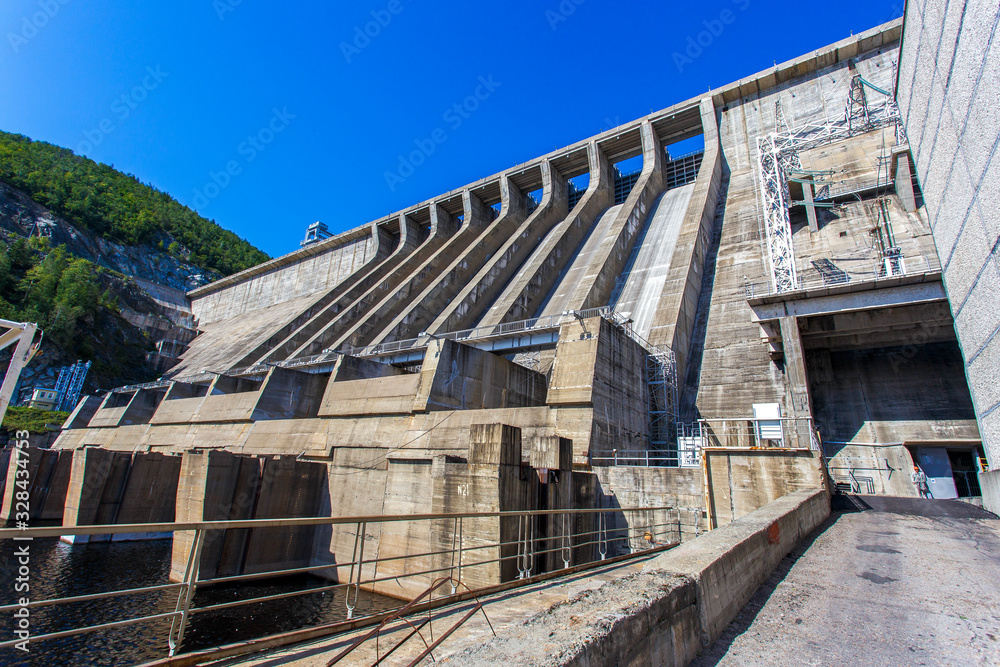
117	206
88	254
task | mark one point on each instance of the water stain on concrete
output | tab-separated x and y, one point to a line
876	549
876	578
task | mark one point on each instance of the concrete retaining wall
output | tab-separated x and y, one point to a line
681	602
947	98
298	274
743	480
989	482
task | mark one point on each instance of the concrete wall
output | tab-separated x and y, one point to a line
742	481
989	482
680	603
947	96
599	366
107	487
887	466
915	392
736	369
310	274
681	488
218	486
43	474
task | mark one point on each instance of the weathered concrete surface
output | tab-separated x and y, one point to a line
989	482
47	474
947	97
108	487
741	480
908	582
505	611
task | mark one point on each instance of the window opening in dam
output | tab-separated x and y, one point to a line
577	186
533	199
627	172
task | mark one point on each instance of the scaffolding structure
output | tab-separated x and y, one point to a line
70	384
661	380
777	154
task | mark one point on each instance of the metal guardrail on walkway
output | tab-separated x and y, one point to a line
415	345
493	331
572	538
873	274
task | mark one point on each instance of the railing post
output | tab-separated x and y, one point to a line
186	593
357	556
521	558
456	581
602	535
567	552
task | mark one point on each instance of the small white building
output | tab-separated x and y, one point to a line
44	399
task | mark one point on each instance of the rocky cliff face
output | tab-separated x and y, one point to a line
22	215
148	284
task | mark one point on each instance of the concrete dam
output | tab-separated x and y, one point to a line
658	340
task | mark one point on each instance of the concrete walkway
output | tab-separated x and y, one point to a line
900	582
504	611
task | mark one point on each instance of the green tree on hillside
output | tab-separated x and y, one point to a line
116	205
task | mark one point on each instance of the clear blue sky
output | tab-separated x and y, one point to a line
173	91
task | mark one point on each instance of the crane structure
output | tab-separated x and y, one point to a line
22	333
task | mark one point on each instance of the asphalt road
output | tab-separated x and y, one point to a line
892	581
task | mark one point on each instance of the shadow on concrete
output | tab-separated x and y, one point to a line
926	507
717	650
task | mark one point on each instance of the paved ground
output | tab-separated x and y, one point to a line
900	582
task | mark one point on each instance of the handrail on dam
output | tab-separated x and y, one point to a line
889	269
497	331
527	544
502	329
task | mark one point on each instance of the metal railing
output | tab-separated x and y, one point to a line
526	545
635	457
503	329
751	433
874	273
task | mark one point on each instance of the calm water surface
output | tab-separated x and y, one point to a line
62	570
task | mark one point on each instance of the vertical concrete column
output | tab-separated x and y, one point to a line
904	181
555	191
653	157
796	378
512	203
601	187
443	223
410	235
207	491
500	445
476	213
807	194
383	242
96	482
